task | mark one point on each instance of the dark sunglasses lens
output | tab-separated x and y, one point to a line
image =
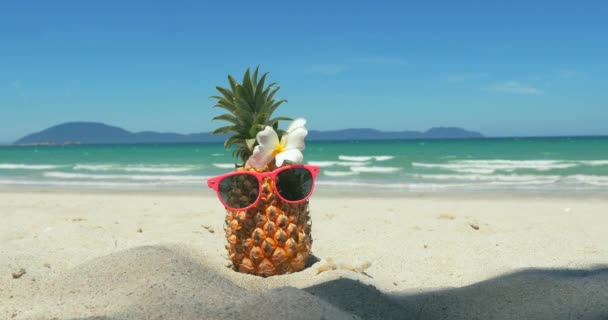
239	191
294	184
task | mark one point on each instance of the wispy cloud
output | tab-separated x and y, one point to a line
386	61
351	64
565	74
514	87
461	77
326	69
18	88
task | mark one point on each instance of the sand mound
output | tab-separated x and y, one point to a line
167	282
156	282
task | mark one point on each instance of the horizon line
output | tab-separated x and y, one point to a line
484	136
10	144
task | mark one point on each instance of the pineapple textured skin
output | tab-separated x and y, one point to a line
271	238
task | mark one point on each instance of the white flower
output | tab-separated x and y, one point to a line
289	148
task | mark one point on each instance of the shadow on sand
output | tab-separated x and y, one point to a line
526	294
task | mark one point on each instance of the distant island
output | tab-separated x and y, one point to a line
99	133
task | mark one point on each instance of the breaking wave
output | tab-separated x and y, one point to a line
375	169
82	176
93	184
131	168
365	158
19	166
491	166
158	169
224	165
94	167
338	163
340	173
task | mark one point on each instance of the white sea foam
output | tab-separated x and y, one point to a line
351	164
338	163
224	165
340	173
491	166
474	170
355	158
476	182
157	169
519	183
322	163
393	186
365	158
594	162
131	168
436	186
99	184
359	184
375	169
590	179
489	178
19	166
541	165
82	176
94	167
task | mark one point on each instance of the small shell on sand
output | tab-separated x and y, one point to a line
445	216
208	227
329	264
18	274
326	265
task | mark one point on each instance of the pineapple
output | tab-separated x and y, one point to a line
273	237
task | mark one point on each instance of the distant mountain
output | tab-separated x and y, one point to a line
99	133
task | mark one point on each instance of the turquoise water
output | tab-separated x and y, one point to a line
513	165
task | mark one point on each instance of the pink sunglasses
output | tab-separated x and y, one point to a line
293	183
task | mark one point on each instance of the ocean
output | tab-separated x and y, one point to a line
544	165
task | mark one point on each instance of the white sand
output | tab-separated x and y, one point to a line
130	256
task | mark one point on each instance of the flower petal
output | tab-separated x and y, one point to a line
295	139
293	155
268	138
297	123
260	158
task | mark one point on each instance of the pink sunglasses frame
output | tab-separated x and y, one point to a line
214	183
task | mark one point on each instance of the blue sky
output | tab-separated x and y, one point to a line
508	68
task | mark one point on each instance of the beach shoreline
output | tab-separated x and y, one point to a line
416	246
346	194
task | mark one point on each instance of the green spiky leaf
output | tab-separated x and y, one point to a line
250	143
249	105
227	117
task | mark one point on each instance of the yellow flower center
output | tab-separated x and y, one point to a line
280	147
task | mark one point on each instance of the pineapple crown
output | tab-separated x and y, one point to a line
250	105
